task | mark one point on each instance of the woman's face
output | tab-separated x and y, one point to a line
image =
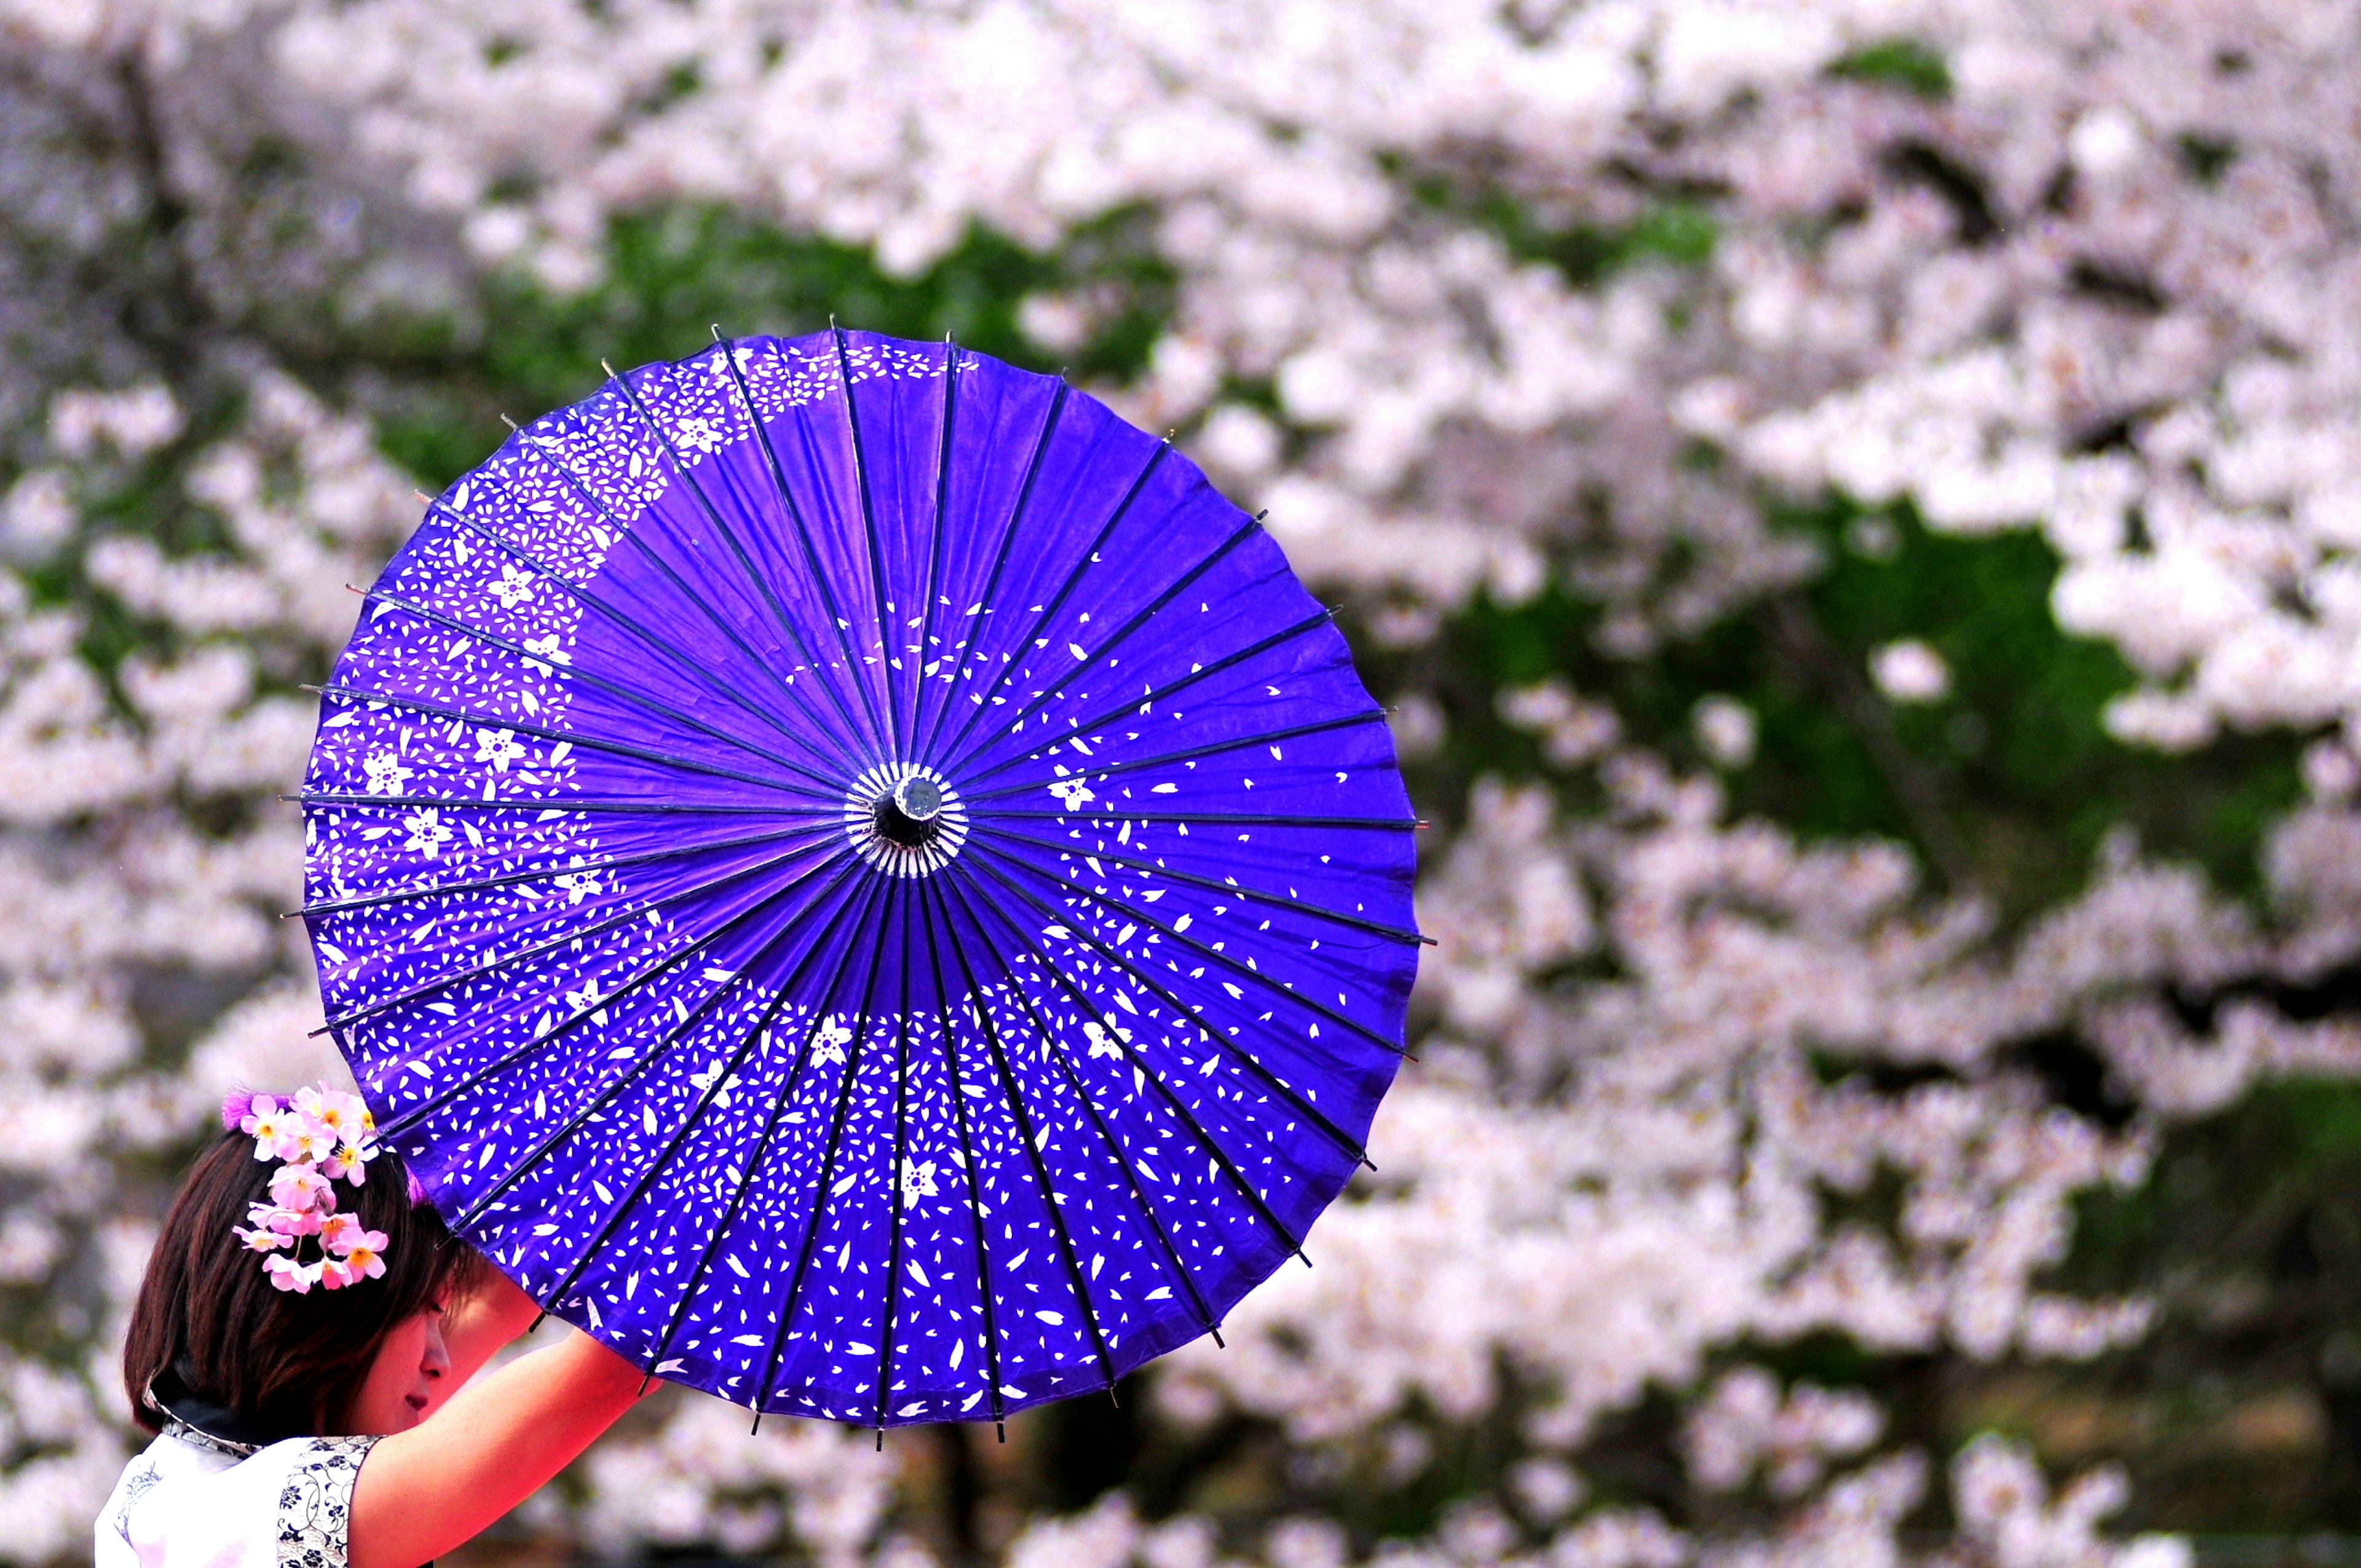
408	1380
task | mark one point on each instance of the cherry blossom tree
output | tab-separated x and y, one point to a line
1855	503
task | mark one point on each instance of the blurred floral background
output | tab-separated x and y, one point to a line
1857	504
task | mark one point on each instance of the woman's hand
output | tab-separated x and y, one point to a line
424	1491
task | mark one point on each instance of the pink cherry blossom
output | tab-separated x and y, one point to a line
366	1255
302	1188
306	1142
288	1274
340	1231
285	1221
270	1127
344	1115
350	1162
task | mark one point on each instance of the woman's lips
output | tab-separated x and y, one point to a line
417	1402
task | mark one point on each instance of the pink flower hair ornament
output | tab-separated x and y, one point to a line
319	1136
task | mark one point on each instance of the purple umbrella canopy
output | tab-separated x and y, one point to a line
861	881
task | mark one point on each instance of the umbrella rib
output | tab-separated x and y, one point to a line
1147	699
1208	819
509	879
655	1167
1057	602
1132	912
1219	1154
630	623
1106	1135
944	434
1121	634
671	1037
1006	547
1049	1193
664	1157
713	514
532	1156
637	699
1179	1271
837	620
585	742
876	545
1210	748
765	1387
410	1118
588	804
595	929
546	450
1303	1107
763	1144
1376	927
970	1166
895	1171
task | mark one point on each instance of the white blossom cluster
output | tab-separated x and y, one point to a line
2008	1520
2087	288
2080	269
138	850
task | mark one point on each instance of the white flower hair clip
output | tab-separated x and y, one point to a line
322	1137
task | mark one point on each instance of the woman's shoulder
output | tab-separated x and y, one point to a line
315	1497
187	1502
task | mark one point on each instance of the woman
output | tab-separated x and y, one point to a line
303	1346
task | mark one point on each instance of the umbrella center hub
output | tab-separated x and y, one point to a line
911	814
905	818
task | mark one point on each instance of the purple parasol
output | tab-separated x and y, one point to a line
861	879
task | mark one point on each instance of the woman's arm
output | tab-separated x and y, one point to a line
487	1318
424	1491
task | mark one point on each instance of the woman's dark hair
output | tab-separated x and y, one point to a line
282	1362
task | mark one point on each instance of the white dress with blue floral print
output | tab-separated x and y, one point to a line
189	1502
